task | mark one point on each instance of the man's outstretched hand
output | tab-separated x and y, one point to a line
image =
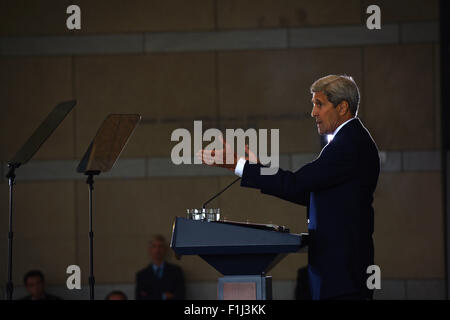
209	157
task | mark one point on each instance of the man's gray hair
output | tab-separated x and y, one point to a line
338	88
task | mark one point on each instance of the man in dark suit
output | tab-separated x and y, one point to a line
337	187
160	280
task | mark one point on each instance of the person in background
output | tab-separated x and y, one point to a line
302	290
116	295
160	280
34	282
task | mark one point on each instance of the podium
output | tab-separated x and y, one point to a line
242	252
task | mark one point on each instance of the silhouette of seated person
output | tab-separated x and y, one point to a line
34	282
160	280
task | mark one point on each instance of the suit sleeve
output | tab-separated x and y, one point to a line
180	290
334	166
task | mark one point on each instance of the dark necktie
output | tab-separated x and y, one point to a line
158	272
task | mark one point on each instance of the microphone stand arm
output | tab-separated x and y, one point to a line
218	194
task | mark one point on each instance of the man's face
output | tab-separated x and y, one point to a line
326	115
35	287
157	251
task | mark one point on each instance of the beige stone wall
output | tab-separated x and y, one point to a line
400	107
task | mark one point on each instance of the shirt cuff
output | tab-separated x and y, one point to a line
239	170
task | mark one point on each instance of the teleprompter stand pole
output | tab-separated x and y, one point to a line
11	176
90	182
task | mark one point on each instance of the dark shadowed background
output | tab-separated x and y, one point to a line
232	64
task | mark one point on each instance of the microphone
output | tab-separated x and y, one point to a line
220	192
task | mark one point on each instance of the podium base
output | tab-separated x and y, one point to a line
245	287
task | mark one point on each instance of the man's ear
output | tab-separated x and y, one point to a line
344	107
